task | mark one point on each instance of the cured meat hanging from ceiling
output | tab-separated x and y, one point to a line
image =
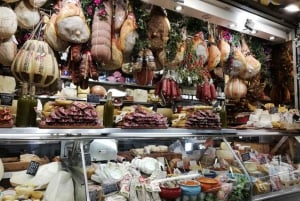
140	39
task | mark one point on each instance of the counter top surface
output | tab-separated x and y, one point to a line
33	133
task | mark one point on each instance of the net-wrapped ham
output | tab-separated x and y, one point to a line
101	35
51	36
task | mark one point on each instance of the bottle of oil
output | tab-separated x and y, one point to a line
23	108
108	112
223	115
33	105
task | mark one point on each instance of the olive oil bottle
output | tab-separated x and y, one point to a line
33	105
23	108
223	115
108	112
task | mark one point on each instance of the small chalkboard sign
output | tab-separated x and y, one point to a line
92	98
262	160
246	156
33	168
109	188
6	99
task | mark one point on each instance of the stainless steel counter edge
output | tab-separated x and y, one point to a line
34	133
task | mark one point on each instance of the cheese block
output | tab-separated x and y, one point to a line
43	176
7	84
140	95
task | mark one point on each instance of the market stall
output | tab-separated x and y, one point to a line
143	100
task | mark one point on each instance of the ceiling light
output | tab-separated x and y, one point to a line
178	8
253	31
292	8
232	25
250	24
272	37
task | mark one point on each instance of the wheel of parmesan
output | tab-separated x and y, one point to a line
27	16
8	51
37	3
9	23
10	1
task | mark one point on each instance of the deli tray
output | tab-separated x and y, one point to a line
43	126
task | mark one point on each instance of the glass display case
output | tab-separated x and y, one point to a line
225	164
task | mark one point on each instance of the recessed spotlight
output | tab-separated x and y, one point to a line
253	31
272	38
232	25
178	8
292	8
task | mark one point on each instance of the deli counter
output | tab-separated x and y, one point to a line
244	164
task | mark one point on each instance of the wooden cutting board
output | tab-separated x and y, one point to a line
13	164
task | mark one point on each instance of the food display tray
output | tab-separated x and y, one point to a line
6	125
43	126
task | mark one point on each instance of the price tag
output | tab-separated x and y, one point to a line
33	168
109	188
262	160
245	156
87	158
193	163
93	195
92	98
179	164
6	99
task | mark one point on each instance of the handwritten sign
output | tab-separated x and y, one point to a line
245	156
6	99
33	168
109	188
92	98
87	158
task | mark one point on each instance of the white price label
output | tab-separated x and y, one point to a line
179	164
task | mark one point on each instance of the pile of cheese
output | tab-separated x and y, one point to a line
282	119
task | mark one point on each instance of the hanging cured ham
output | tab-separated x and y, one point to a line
70	23
179	56
101	35
51	36
199	47
158	29
224	48
128	34
253	65
213	51
238	62
120	14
